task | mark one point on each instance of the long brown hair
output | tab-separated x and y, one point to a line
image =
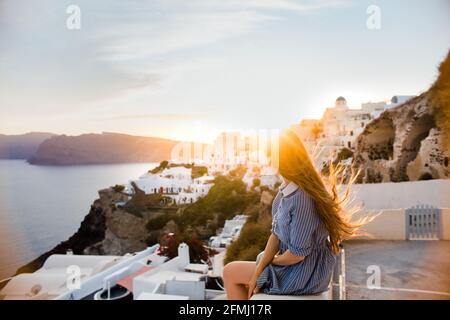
296	165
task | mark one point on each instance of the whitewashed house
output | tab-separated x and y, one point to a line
265	174
230	232
339	127
269	177
175	183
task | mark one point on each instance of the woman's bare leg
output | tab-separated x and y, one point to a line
236	276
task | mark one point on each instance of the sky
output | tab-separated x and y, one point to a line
187	70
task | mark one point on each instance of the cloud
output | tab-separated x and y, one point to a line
122	47
158	28
168	33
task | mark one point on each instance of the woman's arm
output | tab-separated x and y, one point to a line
287	259
270	251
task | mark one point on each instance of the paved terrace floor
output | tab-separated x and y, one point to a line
416	265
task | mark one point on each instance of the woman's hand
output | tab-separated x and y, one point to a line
287	259
269	252
252	289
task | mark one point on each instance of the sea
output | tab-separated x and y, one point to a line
40	206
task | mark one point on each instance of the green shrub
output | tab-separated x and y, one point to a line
158	222
440	99
118	188
226	198
152	239
162	165
252	240
238	172
256	182
344	154
197	250
199	171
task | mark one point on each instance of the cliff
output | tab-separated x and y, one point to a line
105	230
117	224
409	142
101	149
21	146
403	144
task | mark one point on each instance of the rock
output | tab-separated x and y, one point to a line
171	227
266	198
106	230
101	148
21	146
403	144
431	162
265	205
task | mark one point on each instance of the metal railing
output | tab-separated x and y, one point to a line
423	223
338	279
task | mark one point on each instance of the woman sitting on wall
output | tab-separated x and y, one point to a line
309	221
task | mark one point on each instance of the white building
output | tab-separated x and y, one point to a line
269	177
340	127
176	183
266	175
231	149
230	232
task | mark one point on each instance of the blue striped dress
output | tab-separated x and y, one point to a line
296	223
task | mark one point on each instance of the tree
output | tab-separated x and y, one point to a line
251	241
256	182
344	154
118	188
238	172
199	171
158	222
316	131
197	251
164	164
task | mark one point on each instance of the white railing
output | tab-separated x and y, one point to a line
96	282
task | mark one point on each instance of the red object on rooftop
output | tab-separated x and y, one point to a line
127	282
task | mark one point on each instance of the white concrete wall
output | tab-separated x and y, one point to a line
391	224
445	224
402	194
386	225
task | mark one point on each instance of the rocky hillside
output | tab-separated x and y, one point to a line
117	225
409	142
101	149
21	146
105	230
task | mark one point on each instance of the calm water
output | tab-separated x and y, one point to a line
41	206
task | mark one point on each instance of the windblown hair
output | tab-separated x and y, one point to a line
296	165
